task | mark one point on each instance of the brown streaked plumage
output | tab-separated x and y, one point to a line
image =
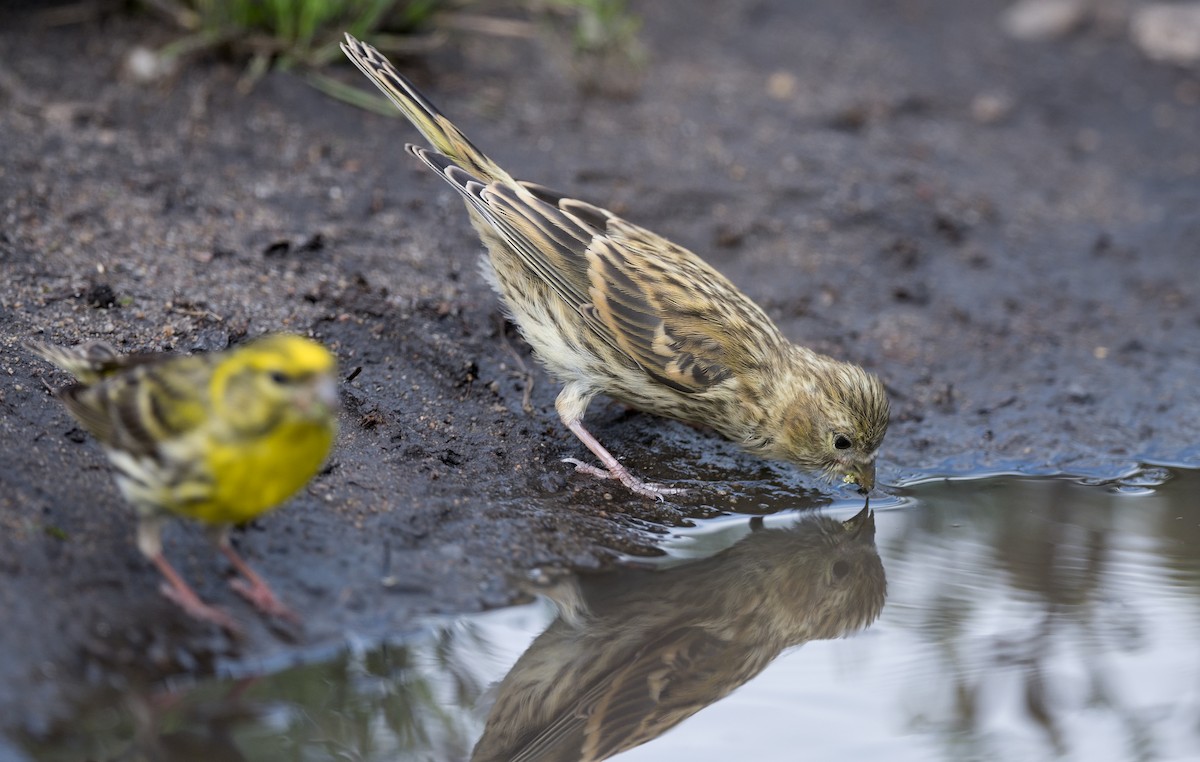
611	308
632	654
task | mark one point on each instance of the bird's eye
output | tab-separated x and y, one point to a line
279	377
840	569
842	442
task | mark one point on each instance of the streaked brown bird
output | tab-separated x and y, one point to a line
611	308
632	653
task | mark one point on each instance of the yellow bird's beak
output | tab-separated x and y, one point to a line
327	394
319	399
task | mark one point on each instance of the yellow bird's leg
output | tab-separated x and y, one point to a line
178	591
571	403
174	588
253	587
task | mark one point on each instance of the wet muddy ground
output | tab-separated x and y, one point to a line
1007	232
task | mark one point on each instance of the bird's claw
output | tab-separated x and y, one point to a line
197	609
261	597
631	482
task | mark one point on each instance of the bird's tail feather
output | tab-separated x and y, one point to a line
436	128
88	363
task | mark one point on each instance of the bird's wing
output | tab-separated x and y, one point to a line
670	679
149	403
673	313
655	303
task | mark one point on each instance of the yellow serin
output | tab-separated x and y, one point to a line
220	438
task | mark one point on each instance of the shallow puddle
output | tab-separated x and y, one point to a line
1024	618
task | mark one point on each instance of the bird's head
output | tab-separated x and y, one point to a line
836	425
275	379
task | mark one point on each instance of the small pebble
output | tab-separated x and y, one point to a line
1039	20
145	66
781	85
990	108
1168	32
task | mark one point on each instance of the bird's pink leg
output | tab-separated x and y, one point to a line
252	587
178	591
615	469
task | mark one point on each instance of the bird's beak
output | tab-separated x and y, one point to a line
862	524
864	476
327	395
319	399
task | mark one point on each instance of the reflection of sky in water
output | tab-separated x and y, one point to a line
1025	619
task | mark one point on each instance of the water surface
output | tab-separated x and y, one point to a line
1024	618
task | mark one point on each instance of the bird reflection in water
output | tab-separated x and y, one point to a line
633	653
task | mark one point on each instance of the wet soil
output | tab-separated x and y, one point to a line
1006	232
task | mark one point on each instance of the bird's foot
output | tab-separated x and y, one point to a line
253	588
621	474
263	599
185	599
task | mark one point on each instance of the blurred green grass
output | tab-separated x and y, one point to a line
304	34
